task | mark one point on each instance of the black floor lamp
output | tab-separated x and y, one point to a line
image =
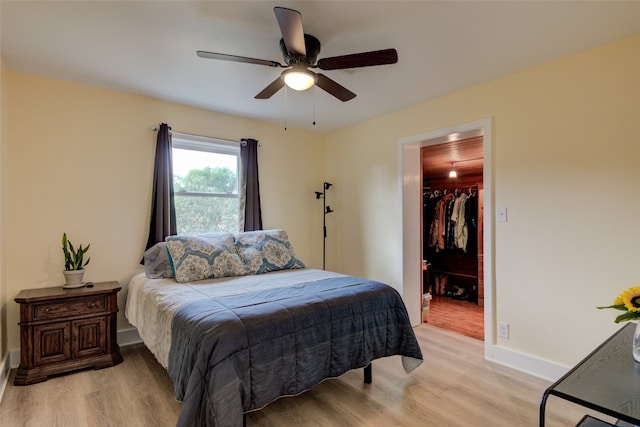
325	210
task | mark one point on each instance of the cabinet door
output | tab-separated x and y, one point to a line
89	337
51	343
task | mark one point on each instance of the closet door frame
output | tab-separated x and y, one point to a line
410	183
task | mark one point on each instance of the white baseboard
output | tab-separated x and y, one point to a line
526	363
128	337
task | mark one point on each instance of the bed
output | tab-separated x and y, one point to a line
255	324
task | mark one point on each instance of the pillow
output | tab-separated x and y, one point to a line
156	262
266	250
204	256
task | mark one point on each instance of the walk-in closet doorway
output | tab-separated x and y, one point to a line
410	182
452	243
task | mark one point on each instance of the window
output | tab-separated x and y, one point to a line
205	183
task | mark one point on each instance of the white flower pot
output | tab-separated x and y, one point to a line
73	277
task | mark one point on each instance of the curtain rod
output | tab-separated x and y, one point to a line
176	133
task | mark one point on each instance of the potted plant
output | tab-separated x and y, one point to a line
74	262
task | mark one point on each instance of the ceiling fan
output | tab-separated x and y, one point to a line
300	52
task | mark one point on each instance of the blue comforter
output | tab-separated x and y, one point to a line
236	354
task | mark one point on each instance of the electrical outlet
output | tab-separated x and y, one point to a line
503	330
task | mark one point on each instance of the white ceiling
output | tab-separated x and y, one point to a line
149	48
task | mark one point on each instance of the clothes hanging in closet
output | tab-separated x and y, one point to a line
453	220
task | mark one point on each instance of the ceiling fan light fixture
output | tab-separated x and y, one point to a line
299	78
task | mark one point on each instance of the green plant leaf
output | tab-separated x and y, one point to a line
73	259
630	315
615	306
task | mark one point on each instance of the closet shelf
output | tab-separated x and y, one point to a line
450	273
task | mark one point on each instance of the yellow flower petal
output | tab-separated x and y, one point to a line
631	299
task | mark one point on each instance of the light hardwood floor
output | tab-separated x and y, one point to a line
454	386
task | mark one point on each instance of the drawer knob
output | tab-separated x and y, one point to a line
93	304
46	310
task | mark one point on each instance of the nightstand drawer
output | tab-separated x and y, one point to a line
79	306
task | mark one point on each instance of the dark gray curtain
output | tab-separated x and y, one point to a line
163	208
250	212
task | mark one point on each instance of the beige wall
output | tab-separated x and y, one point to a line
80	161
565	155
565	163
3	209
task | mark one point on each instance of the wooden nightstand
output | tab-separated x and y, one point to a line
63	330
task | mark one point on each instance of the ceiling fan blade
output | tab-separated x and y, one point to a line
364	59
335	89
235	58
270	90
290	22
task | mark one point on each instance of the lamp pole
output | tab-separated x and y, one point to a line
325	210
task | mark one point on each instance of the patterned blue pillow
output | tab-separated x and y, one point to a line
204	256
266	250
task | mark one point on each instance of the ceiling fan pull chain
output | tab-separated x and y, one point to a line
314	105
285	107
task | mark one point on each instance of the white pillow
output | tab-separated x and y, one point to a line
156	262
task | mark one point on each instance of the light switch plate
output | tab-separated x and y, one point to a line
501	214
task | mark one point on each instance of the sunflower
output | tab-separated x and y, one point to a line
629	302
631	299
